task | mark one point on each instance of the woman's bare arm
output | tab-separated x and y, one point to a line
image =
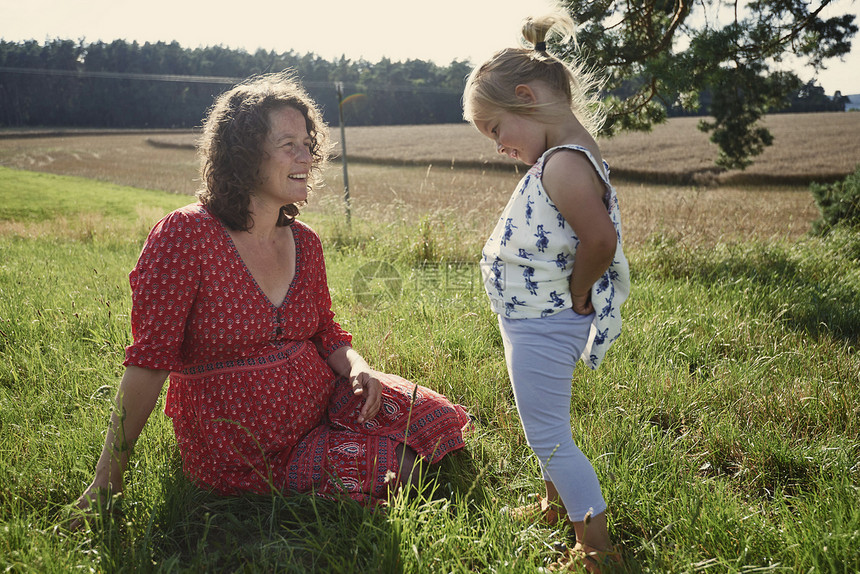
135	399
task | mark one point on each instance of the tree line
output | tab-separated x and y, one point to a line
163	85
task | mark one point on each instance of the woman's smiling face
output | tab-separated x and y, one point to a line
287	158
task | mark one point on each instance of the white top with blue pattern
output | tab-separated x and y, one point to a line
527	261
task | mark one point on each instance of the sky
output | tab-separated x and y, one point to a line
439	31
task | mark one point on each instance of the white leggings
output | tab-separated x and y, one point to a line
541	355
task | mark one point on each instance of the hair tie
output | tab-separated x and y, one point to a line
540	47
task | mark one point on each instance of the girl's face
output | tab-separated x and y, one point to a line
520	137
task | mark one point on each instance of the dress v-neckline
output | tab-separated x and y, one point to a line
253	279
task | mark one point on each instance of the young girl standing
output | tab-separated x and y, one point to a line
553	266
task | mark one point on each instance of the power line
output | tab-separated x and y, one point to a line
122	75
223	80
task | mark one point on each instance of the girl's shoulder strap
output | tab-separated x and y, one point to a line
602	170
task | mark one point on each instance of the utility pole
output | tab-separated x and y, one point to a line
339	87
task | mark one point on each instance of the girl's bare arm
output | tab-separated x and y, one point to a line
577	191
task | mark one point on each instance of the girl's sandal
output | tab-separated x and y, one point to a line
585	558
543	511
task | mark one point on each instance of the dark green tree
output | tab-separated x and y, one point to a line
664	53
811	98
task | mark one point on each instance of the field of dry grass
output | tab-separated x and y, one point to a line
430	173
470	200
126	159
806	147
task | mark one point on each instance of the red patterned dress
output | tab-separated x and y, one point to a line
255	406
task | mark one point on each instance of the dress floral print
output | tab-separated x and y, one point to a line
527	261
255	406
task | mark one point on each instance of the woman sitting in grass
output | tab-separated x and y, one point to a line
230	301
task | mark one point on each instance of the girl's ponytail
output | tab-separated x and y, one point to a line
492	84
536	30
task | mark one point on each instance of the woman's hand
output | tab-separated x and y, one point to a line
90	504
366	382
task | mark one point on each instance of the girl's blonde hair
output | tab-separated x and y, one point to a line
492	85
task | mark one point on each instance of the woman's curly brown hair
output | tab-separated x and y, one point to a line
231	146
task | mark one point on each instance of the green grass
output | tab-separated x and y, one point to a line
724	425
30	196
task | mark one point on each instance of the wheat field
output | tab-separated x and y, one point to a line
450	175
806	147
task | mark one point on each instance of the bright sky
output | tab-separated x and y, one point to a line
439	30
